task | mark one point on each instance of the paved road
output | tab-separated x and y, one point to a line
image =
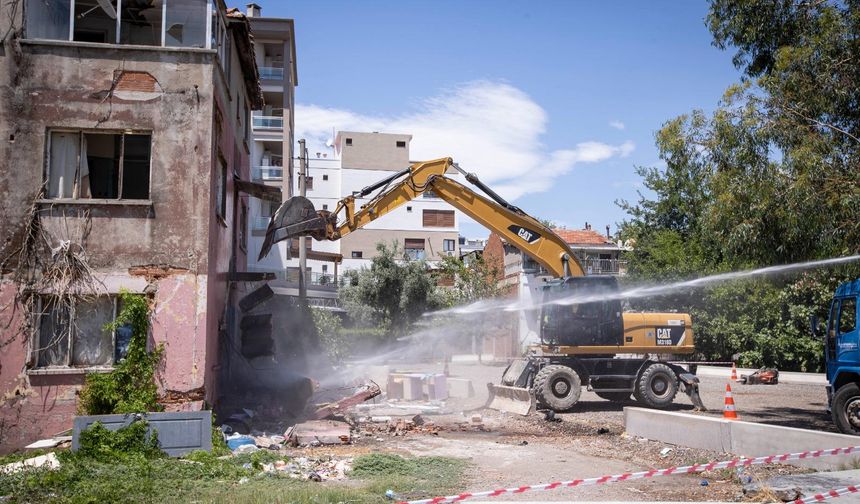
800	405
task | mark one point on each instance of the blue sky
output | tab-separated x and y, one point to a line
552	102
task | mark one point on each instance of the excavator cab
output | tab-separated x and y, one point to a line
587	312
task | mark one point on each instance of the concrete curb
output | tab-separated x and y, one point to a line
784	376
736	437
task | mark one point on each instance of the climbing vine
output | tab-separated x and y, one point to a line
130	387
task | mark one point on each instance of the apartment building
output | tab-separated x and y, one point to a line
272	127
126	134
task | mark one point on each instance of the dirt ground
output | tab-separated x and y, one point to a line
508	450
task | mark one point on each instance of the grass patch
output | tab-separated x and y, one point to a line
203	477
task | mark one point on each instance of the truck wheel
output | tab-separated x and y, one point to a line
657	386
557	387
613	396
846	409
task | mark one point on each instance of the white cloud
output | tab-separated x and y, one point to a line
490	128
617	125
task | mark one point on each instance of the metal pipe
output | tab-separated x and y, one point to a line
303	255
369	189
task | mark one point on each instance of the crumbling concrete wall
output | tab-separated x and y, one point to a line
172	93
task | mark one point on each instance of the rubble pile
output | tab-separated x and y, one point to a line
314	469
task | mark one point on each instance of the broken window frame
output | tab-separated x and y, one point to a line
76	186
69	338
29	25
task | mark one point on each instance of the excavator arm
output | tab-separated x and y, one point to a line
297	216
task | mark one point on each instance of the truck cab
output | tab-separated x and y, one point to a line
842	358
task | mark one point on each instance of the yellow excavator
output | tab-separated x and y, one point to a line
591	343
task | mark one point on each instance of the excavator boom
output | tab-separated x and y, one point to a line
297	216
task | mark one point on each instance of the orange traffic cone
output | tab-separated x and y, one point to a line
729	412
734	372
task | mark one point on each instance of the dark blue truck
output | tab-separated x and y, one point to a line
842	357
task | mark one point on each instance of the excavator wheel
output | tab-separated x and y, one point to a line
657	386
614	396
557	387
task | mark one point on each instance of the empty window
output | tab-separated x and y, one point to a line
448	245
414	248
401	144
848	315
139	22
325	177
98	165
325	207
356	254
409	209
438	218
325	268
349	142
73	334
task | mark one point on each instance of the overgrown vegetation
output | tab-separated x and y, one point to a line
130	387
104	445
769	178
203	477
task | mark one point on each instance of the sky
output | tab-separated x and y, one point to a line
552	103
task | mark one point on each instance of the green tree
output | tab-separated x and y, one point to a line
472	280
392	293
770	177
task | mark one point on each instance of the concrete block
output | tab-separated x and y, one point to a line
460	388
321	431
413	387
394	388
736	437
437	387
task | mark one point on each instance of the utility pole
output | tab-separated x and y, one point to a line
303	255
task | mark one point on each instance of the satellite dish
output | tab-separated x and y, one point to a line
107	6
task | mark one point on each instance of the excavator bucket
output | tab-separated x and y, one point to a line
295	217
514	394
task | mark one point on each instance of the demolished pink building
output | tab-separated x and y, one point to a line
124	146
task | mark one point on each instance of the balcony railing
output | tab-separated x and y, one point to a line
271	73
605	267
314	278
260	223
267	173
268	122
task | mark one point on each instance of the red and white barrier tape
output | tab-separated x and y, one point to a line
738	462
827	495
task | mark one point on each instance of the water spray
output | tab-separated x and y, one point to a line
641	292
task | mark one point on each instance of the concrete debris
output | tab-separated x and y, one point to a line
340	407
61	441
320	432
417	386
398	427
314	469
48	461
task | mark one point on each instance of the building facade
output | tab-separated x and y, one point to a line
126	141
272	127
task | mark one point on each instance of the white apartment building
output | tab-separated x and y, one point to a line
425	228
271	148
